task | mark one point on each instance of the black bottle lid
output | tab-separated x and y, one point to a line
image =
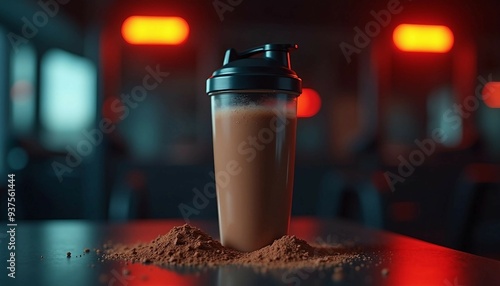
241	72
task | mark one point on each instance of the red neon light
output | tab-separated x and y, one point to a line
308	103
491	94
423	38
148	30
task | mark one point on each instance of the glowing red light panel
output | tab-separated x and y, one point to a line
491	94
149	30
308	103
423	38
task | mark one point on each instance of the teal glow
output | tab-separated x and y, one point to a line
68	94
22	89
441	115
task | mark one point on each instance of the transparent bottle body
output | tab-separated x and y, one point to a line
254	138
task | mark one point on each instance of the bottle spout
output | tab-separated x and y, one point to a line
277	52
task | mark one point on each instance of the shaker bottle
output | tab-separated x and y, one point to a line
254	120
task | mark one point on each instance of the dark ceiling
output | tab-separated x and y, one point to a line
481	15
477	18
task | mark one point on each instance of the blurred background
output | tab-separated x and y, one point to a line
399	125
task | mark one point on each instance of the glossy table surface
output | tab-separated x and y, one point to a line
408	261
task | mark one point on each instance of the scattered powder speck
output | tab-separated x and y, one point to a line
189	246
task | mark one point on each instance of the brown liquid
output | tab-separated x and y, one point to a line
254	154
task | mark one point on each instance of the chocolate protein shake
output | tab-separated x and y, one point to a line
254	134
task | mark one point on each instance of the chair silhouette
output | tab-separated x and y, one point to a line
339	196
157	191
475	217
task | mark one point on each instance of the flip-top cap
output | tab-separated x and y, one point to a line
243	72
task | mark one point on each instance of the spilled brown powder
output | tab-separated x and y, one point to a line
189	246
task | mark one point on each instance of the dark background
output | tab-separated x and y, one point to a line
374	108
